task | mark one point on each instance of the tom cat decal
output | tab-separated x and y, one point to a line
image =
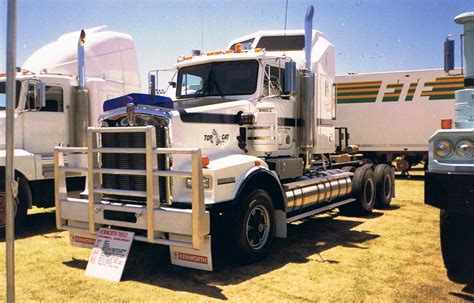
215	138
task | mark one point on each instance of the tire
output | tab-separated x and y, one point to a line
457	242
254	227
385	185
22	201
363	190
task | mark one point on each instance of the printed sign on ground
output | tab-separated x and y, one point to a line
109	254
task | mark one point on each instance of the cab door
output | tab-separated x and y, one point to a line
44	127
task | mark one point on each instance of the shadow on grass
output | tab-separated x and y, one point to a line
468	290
35	224
410	177
306	241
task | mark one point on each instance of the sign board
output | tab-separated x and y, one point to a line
109	254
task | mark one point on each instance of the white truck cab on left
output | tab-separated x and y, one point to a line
52	109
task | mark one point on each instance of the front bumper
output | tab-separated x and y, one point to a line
450	191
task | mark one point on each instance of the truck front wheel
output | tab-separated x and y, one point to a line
254	227
20	206
457	242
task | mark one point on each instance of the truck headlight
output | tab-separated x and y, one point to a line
206	182
443	148
465	148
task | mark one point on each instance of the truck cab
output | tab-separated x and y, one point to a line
49	112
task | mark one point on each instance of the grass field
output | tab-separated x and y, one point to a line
393	255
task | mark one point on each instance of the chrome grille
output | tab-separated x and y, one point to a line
131	161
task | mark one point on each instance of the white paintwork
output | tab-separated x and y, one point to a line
111	70
394	126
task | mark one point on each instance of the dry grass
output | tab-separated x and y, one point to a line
392	256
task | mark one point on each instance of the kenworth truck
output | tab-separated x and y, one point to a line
54	102
244	150
449	182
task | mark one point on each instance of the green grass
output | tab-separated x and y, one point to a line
393	255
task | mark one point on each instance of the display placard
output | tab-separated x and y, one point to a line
109	254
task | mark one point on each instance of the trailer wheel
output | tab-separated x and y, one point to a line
457	247
363	190
255	227
385	185
22	201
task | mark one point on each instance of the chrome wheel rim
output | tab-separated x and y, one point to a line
257	227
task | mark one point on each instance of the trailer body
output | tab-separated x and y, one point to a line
389	115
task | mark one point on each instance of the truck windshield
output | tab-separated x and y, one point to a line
218	79
3	94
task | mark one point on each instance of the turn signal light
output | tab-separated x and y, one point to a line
446	123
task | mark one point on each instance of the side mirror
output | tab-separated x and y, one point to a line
448	55
290	77
172	84
40	94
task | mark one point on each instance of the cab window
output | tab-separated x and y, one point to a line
274	81
54	99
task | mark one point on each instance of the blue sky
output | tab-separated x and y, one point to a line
369	35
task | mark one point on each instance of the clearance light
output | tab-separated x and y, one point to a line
187	57
258	50
218	52
209	53
258	163
446	123
229	51
205	161
238	48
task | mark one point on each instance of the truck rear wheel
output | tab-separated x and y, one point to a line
254	227
457	244
363	190
384	183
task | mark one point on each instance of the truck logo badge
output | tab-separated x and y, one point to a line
191	258
216	138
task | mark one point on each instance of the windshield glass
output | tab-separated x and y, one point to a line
218	79
3	95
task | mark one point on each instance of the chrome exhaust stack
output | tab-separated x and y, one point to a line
81	113
307	95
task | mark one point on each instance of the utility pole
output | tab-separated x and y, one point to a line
10	184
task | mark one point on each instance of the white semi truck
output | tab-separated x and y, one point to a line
449	181
55	101
404	107
239	154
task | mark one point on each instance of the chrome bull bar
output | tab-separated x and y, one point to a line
198	226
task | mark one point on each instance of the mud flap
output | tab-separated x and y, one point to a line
188	257
82	239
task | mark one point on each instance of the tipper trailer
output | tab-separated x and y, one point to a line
404	107
449	181
242	152
55	102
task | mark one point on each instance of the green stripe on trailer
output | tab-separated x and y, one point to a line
441	97
340	94
361	100
390	99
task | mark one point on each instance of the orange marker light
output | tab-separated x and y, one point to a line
238	48
258	163
187	57
446	123
229	51
218	52
205	161
258	49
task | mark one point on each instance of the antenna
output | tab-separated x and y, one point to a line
202	33
284	31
